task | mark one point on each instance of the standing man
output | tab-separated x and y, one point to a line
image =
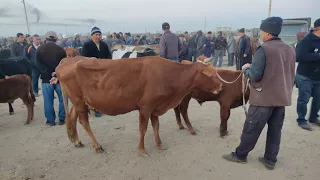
244	50
183	54
128	39
18	46
208	45
220	45
272	80
30	55
170	45
48	57
308	76
76	43
201	40
96	48
230	49
192	49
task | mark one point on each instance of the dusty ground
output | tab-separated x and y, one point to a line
37	151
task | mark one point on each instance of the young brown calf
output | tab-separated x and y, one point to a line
18	86
230	97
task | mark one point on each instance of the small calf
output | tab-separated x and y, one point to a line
18	86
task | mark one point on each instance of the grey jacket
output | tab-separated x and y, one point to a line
17	49
230	47
200	44
170	45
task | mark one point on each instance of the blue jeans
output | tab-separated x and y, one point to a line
35	79
176	59
48	97
218	55
307	88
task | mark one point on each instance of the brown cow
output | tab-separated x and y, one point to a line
152	85
72	52
230	97
18	86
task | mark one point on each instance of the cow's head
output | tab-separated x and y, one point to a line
207	79
72	52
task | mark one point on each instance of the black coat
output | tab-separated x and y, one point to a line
90	49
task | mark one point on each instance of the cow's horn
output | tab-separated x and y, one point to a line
207	60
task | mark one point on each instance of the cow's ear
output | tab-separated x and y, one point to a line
209	71
186	62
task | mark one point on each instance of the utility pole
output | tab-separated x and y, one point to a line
269	12
25	13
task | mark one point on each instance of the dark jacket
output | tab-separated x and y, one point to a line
308	56
183	54
272	72
2	75
170	45
244	47
192	42
90	49
200	44
17	49
48	57
220	43
29	54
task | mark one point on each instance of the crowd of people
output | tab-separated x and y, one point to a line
271	71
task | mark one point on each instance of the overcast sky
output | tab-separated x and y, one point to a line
141	15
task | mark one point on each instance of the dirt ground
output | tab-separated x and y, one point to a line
37	151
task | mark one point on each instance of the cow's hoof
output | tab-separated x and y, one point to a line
193	132
223	134
143	154
99	149
11	113
181	127
26	123
79	145
162	147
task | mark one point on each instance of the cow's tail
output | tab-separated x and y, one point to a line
71	131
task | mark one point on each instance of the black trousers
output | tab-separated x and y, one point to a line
257	118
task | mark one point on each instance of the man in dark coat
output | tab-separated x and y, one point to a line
220	45
244	50
183	54
96	48
200	44
18	46
272	80
48	57
192	50
170	45
30	55
208	45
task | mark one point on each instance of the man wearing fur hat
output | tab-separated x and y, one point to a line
244	50
96	48
272	79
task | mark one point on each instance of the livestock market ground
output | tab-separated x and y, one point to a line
37	151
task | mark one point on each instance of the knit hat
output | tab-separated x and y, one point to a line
165	26
272	25
209	32
95	30
219	32
241	30
317	23
51	35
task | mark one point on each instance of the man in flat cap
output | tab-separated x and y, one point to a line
308	77
170	45
244	51
48	57
272	79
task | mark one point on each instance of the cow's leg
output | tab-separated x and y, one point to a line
184	111
84	120
143	126
155	126
224	116
178	117
11	111
71	123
